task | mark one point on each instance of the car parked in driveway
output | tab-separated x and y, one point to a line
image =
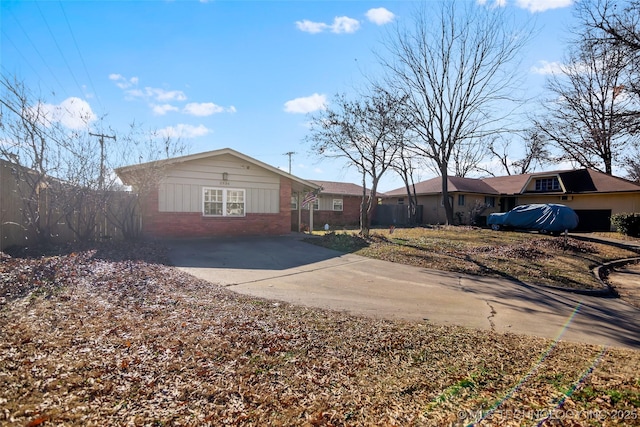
545	218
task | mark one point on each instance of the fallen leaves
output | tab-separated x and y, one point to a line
111	336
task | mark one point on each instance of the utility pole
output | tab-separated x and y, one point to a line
102	137
290	153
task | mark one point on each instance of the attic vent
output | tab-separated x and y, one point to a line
566	197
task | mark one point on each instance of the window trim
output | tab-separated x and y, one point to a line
462	199
555	182
490	201
341	203
294	203
225	194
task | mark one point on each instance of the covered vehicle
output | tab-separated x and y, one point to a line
546	218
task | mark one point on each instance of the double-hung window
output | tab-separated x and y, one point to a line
223	202
337	204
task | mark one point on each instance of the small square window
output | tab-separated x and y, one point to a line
490	201
337	204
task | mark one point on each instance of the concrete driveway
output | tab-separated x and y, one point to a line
288	269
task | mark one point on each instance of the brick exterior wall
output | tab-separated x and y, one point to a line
348	217
192	224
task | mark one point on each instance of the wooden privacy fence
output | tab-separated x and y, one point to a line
58	213
396	215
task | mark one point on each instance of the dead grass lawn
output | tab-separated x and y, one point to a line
113	337
527	257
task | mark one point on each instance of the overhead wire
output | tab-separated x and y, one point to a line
19	51
64	58
84	65
35	48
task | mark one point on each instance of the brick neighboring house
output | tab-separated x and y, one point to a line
338	205
215	193
594	196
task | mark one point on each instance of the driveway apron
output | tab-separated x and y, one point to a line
288	269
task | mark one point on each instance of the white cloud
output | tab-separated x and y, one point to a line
311	27
165	95
184	131
122	82
161	110
306	104
202	109
547	68
496	3
380	16
72	113
341	24
534	6
344	24
157	94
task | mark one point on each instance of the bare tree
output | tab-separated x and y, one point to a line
140	159
63	174
405	166
633	169
618	26
588	118
454	66
367	133
535	152
36	145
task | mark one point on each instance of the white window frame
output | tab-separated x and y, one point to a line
339	203
549	185
225	202
316	205
294	203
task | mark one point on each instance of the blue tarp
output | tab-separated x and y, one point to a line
549	217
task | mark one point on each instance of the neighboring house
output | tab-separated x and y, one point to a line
338	205
216	193
594	196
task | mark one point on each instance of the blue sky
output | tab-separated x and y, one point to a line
237	74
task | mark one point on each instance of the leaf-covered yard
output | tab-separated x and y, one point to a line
527	257
111	336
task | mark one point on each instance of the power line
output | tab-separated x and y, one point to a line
64	58
84	65
38	52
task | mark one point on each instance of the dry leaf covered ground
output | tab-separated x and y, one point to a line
111	336
527	257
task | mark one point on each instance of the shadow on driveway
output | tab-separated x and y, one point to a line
288	269
251	253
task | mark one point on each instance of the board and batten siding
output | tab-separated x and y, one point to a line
181	189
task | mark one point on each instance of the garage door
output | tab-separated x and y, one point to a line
594	219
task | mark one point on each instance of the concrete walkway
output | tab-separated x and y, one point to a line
288	269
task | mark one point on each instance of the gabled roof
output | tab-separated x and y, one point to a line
343	188
455	184
572	181
123	171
